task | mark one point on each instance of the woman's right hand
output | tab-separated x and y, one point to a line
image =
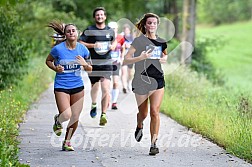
145	54
59	69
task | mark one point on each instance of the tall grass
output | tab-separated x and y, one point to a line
216	112
13	105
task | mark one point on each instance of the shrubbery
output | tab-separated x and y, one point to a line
200	61
13	105
202	64
13	49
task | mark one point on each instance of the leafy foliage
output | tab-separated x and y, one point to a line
14	103
13	48
36	16
228	11
202	64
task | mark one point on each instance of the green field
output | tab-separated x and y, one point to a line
234	59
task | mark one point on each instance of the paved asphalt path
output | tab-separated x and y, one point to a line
114	144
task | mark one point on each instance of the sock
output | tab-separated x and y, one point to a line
115	94
93	105
154	144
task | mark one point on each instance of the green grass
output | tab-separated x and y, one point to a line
215	112
222	114
234	59
14	103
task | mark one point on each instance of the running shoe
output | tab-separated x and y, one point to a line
154	150
114	106
124	90
67	146
57	126
103	119
138	134
93	112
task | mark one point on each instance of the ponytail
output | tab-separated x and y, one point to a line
59	28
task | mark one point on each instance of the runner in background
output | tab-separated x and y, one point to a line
116	56
127	70
100	40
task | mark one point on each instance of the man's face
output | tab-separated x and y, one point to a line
100	17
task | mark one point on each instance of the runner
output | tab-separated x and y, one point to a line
116	56
148	83
67	60
100	40
127	70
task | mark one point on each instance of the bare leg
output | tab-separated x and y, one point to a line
115	81
95	91
129	78
124	76
155	102
105	87
142	102
76	102
63	104
115	91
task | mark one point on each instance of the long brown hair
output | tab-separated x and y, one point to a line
141	23
60	29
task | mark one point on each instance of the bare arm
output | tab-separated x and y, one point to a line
164	57
50	64
113	45
129	59
88	45
87	66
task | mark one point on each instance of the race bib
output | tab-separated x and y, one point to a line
156	53
102	48
70	66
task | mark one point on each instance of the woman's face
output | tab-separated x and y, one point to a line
71	33
126	31
151	24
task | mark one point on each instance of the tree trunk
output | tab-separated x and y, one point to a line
170	6
188	33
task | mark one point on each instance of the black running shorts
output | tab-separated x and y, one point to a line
69	91
144	85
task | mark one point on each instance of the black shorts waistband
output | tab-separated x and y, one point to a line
69	91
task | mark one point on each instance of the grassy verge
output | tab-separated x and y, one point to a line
217	113
234	59
13	105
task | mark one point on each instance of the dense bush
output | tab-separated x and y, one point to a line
200	61
13	48
202	64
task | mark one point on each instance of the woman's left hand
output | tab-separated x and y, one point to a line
163	59
80	60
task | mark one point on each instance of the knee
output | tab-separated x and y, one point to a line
65	116
106	91
75	117
143	114
115	85
154	113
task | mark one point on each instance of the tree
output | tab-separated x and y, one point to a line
13	48
228	11
189	22
170	7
